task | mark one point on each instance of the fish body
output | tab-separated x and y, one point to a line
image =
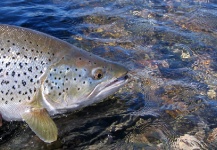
41	76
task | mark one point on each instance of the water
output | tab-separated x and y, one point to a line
170	48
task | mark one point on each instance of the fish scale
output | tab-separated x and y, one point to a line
41	76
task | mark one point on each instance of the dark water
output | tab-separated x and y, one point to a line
170	48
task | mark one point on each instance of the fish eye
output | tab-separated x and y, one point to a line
97	73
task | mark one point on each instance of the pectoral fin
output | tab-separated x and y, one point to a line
41	123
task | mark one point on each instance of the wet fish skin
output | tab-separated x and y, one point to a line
41	75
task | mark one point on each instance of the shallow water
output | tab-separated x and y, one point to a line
170	48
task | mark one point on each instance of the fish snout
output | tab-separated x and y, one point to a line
119	71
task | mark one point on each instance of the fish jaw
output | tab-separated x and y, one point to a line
109	87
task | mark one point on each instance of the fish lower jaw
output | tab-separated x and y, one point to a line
109	87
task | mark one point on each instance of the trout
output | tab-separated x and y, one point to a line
42	76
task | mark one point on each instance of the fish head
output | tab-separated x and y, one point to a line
79	80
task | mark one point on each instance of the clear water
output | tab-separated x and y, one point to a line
170	48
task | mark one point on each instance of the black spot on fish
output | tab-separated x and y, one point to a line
4	82
30	69
1	70
21	66
13	74
23	83
7	64
31	80
6	102
2	49
42	63
8	41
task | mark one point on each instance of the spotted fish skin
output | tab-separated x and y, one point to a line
41	75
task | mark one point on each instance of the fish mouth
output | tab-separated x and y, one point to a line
108	88
112	86
118	81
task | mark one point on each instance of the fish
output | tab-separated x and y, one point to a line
42	76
